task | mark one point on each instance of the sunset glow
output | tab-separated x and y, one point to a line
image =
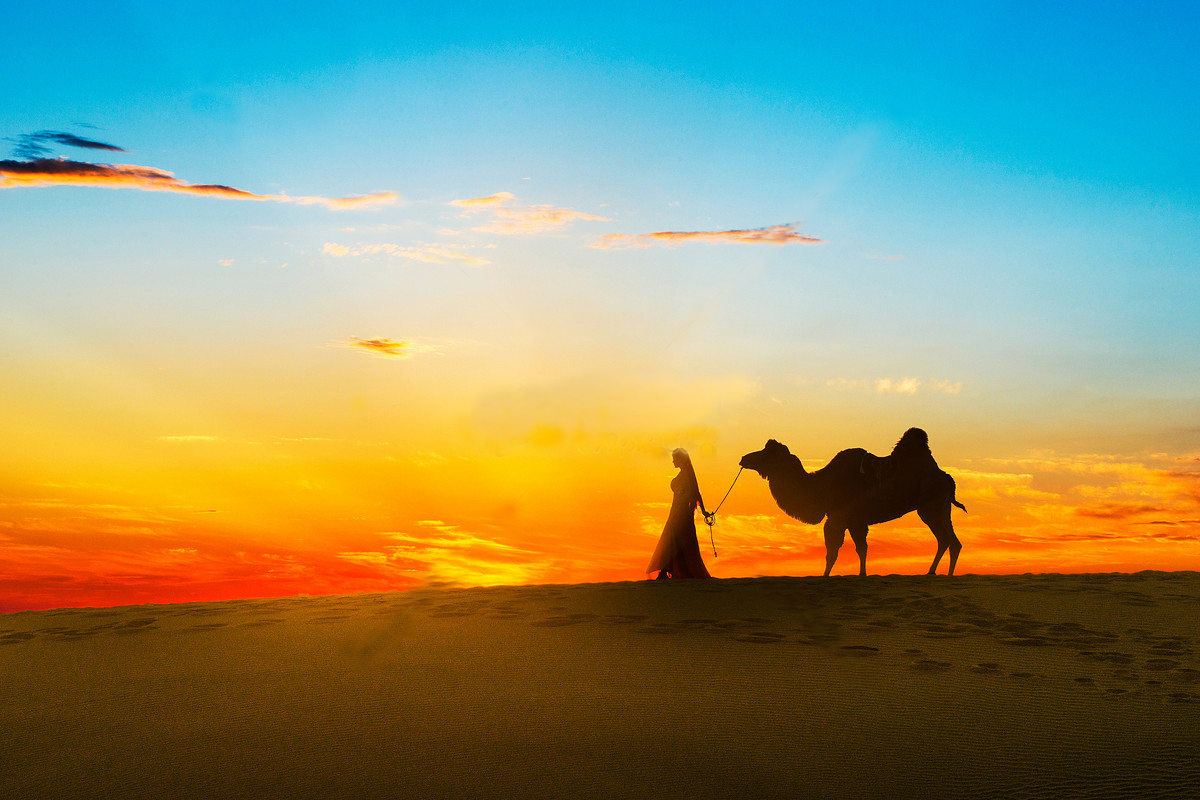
500	268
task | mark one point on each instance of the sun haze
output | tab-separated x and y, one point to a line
405	295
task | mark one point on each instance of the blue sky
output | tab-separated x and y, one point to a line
1037	164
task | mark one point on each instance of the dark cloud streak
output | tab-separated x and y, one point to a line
36	145
62	171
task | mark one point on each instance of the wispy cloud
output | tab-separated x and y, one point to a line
37	144
897	385
911	386
492	200
1118	511
510	218
906	385
391	348
64	172
452	555
428	253
774	234
32	168
945	387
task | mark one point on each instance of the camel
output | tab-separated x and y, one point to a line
857	489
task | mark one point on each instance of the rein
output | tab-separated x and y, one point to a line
711	517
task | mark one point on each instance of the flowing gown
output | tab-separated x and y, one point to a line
678	551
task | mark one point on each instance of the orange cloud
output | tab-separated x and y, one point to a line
518	220
1118	511
382	347
497	199
65	172
447	554
390	348
775	234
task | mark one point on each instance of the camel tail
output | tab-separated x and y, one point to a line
953	489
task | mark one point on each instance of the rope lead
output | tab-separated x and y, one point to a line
710	518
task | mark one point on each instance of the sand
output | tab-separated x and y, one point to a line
1030	686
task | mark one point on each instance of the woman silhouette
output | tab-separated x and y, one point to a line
678	553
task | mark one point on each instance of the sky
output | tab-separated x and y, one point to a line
340	300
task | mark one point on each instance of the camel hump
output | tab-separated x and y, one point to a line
914	442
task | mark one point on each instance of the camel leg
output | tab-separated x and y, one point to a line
955	544
835	535
938	520
859	535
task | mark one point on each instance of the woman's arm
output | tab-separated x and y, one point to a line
700	499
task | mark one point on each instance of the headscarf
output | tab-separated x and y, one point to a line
686	467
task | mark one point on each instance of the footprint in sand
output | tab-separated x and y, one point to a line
929	665
72	635
558	622
1109	656
1182	697
939	630
760	637
16	638
819	639
624	619
1170	647
1185	675
1024	641
137	625
1161	664
258	623
741	624
858	650
986	668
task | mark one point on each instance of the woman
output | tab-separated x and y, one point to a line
678	553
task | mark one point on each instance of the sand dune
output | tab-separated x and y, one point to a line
1033	686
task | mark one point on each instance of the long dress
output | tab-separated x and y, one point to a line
678	551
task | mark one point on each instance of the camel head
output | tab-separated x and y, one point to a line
768	460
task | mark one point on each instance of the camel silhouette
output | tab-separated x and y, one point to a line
857	489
